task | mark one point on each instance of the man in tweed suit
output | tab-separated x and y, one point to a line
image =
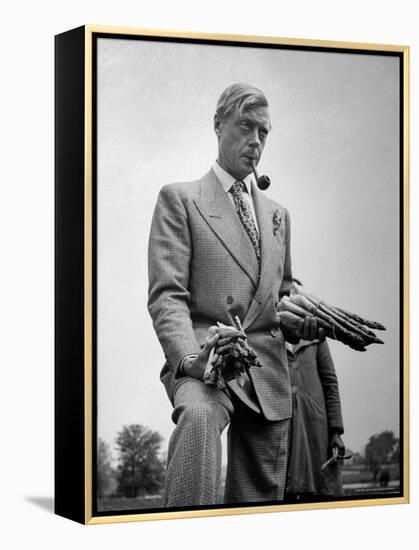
205	264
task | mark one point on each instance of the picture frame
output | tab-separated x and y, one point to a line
122	96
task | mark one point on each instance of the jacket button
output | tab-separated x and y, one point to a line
230	299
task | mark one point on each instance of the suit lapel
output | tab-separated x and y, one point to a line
270	248
219	213
241	392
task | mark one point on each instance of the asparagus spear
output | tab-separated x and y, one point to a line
332	329
236	357
358	319
319	308
351	316
339	324
368	335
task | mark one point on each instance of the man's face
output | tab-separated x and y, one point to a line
241	139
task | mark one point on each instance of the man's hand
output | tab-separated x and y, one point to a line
309	330
226	341
195	366
296	328
337	442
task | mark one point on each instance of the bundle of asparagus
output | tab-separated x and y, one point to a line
338	324
233	358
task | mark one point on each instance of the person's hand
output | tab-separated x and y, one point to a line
295	329
337	447
227	339
337	442
308	329
195	366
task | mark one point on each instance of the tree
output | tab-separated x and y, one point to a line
140	470
395	457
380	450
105	473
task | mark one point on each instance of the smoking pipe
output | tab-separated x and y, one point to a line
263	182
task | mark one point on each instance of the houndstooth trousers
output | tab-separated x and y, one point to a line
257	449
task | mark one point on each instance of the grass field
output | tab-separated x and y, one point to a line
108	504
359	474
355	479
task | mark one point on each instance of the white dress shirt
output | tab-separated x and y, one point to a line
227	180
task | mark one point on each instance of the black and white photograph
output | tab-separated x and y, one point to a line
210	247
248	283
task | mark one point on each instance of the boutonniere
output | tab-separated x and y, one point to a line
276	220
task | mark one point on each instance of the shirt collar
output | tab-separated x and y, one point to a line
227	179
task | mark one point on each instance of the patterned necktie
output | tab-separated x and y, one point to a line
245	215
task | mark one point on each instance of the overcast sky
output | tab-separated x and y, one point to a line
332	156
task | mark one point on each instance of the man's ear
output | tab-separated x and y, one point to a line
217	125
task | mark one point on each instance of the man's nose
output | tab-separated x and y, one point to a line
254	138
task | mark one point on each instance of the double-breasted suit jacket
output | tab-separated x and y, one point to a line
202	267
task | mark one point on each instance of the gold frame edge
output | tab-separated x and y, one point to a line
126	518
171	33
406	271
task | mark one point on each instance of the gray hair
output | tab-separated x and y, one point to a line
239	98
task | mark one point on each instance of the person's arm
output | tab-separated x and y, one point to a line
169	255
308	329
327	373
194	366
287	272
287	279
